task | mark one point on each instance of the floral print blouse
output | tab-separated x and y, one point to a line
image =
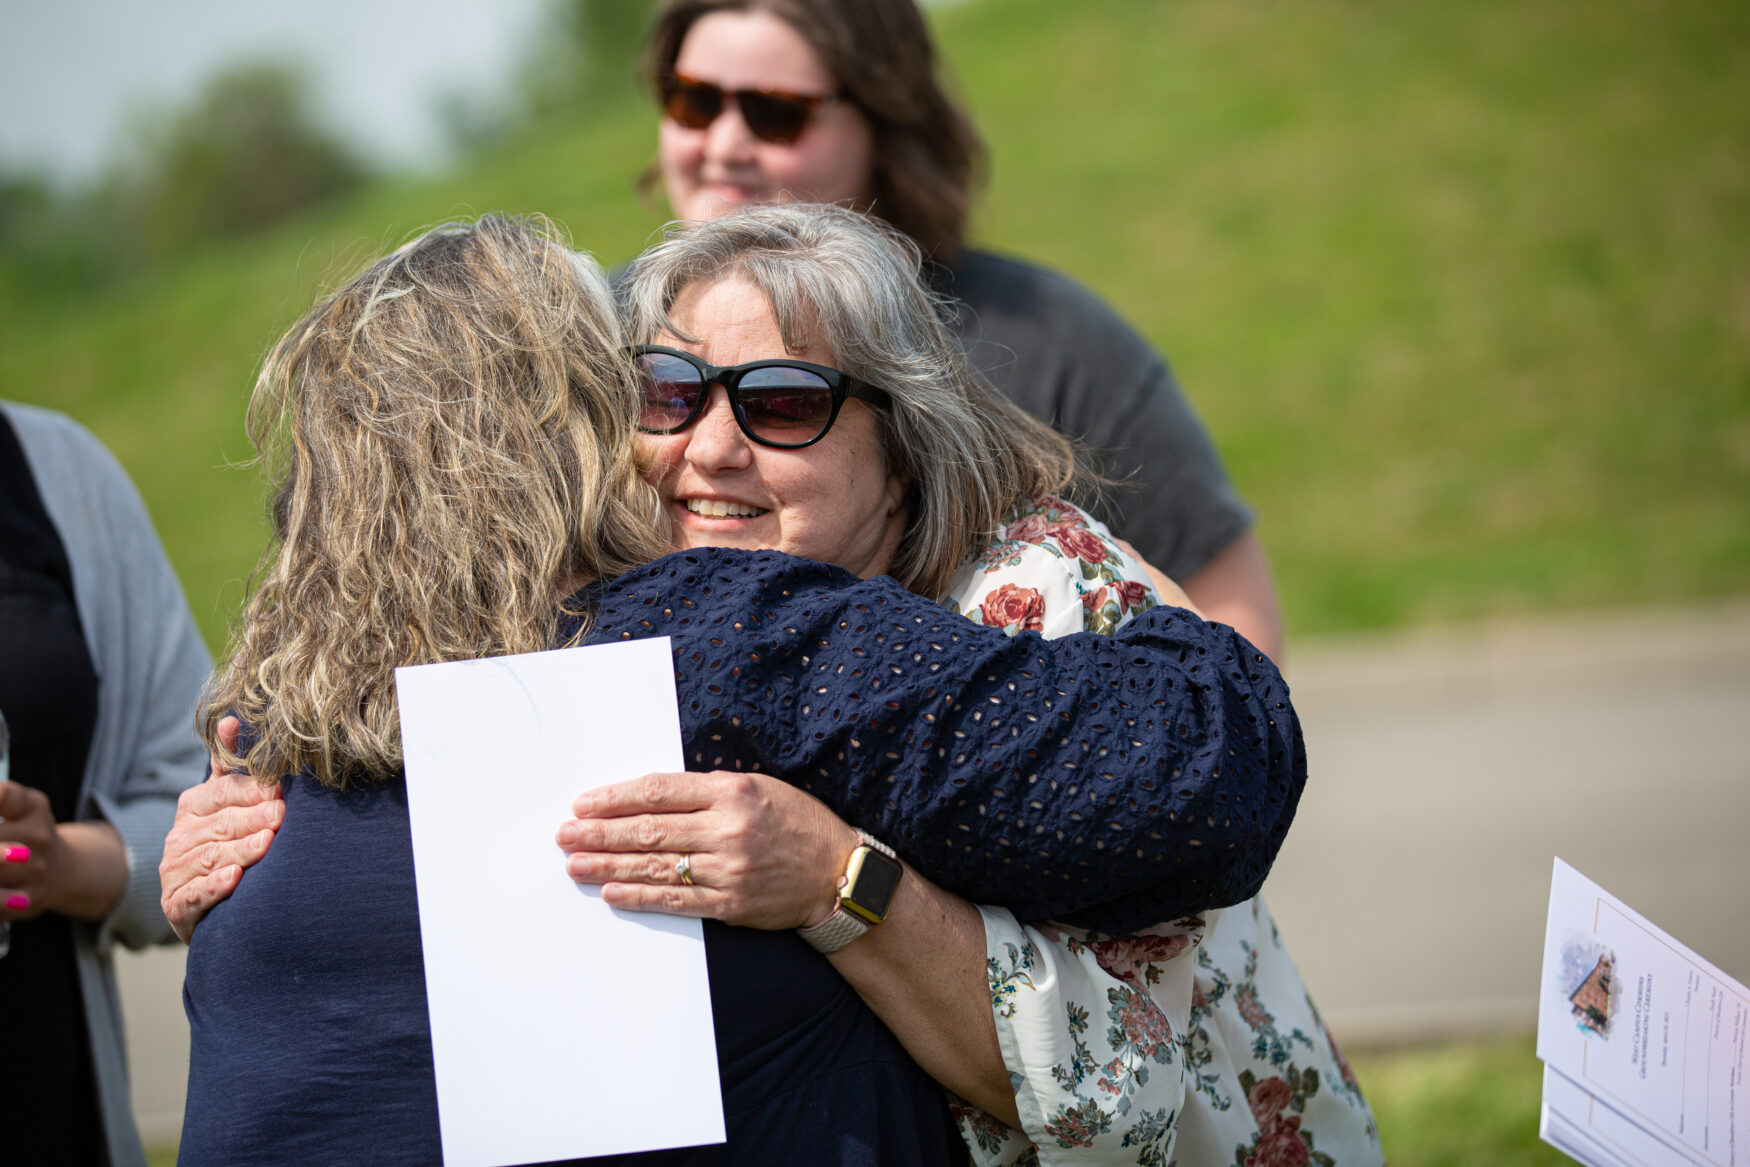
1192	1042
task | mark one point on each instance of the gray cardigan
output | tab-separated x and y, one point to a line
151	664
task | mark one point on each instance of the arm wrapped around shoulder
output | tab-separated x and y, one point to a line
1204	796
1109	782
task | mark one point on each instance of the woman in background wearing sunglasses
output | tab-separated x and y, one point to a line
837	102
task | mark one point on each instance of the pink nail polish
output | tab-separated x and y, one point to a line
18	903
18	854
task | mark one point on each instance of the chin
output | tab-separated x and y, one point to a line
711	204
741	542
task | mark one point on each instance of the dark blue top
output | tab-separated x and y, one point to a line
1110	780
311	1043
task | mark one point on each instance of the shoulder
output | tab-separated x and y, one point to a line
995	288
714	571
48	432
78	477
1054	347
1051	569
686	592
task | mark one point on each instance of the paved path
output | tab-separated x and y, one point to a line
1447	772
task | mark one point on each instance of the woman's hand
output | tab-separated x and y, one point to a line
767	855
763	853
32	855
77	869
222	826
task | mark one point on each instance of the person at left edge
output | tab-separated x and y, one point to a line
100	669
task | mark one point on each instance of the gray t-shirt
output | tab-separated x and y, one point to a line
1063	355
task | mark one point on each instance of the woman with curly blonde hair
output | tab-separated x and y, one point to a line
447	521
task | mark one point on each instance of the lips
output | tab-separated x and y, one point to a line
716	508
733	192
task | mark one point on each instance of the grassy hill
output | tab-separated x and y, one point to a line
1462	289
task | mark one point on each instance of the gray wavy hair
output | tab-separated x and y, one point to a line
855	286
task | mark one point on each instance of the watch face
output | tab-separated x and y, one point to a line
870	881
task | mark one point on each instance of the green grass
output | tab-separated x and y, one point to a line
1459	1105
1462	288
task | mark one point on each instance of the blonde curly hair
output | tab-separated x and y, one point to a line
454	434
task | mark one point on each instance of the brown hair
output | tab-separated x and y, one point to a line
855	285
928	158
455	434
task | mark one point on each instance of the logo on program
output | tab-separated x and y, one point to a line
1588	978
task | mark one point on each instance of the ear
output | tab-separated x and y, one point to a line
897	491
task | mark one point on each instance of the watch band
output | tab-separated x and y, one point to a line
834	932
840	928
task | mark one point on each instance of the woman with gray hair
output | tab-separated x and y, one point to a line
909	479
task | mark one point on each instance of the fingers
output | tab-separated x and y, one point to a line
220	824
221	791
193	861
23	874
198	840
190	903
650	882
658	868
21	805
644	832
20	864
229	728
651	794
670	900
193	881
26	822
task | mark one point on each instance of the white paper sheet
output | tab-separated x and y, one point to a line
1632	1018
560	1027
1588	1129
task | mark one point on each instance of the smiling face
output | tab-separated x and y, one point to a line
714	170
834	501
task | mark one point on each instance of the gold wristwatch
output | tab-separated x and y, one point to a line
865	893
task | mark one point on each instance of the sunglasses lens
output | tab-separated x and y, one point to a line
671	392
694	104
775	117
788	407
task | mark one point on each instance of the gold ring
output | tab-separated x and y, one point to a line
684	869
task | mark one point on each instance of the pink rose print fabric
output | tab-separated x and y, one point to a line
1014	609
1193	1042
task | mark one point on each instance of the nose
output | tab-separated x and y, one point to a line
728	141
715	443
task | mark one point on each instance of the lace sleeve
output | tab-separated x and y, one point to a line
1008	769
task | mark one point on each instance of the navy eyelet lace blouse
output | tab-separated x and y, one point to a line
1107	781
1110	781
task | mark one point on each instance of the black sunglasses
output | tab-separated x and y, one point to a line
772	115
781	403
